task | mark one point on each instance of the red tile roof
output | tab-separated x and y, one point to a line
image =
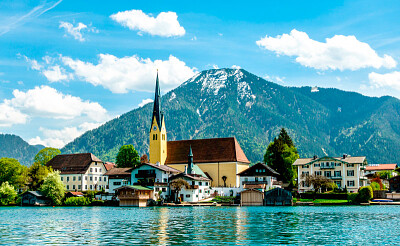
381	167
109	165
119	171
205	150
73	163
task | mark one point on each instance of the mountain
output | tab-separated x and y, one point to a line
234	102
13	146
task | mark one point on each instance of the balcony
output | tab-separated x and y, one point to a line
336	177
328	167
145	175
255	182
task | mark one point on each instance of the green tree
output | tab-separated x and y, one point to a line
127	156
280	155
318	182
385	174
13	172
36	175
365	194
53	188
7	193
45	155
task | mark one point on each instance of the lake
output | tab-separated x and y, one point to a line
200	225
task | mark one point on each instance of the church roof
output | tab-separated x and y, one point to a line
157	104
205	151
72	163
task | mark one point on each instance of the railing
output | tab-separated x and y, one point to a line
145	175
328	167
336	177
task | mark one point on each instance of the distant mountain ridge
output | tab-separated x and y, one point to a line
13	146
234	102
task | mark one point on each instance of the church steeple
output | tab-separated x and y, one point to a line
158	132
156	108
190	161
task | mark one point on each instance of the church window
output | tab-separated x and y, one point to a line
154	136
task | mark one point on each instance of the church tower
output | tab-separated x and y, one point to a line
158	133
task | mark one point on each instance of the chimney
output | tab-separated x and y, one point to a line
158	163
185	169
315	157
344	156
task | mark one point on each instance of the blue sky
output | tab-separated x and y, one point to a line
69	66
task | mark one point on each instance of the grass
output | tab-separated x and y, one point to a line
330	201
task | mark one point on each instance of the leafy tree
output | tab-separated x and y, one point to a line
375	186
36	175
127	156
77	201
13	172
7	193
144	159
178	184
53	188
318	182
280	155
378	180
365	194
385	174
45	155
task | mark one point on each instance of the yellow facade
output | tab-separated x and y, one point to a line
158	142
218	170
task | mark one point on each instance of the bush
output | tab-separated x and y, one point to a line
97	203
76	201
224	199
90	195
7	193
365	194
375	186
352	197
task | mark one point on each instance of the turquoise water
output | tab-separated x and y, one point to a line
201	225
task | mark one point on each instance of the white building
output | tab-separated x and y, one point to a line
118	177
346	171
80	172
259	176
155	176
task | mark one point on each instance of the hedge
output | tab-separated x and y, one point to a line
331	196
76	201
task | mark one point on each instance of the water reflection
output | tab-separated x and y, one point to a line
200	226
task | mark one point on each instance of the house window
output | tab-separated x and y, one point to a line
338	174
91	169
99	178
200	191
85	187
318	173
304	166
305	173
67	187
350	165
99	187
187	195
206	183
85	177
350	173
246	179
79	178
338	183
62	179
105	179
350	183
74	178
165	180
91	187
116	183
156	188
67	179
95	178
79	187
91	178
73	187
264	178
164	189
200	183
317	165
338	164
327	174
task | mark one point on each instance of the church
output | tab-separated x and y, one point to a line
221	159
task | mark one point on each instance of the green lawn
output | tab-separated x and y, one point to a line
323	201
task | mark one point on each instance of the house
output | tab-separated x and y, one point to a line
80	172
154	176
371	169
278	197
198	183
252	197
74	194
258	176
219	158
118	177
345	172
134	195
34	198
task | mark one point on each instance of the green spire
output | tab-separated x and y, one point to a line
156	109
190	161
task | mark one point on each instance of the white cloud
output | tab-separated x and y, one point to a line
34	64
55	74
47	102
76	31
121	75
59	138
391	80
10	116
165	24
144	102
339	52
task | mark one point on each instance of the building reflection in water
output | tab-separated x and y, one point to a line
241	220
162	234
